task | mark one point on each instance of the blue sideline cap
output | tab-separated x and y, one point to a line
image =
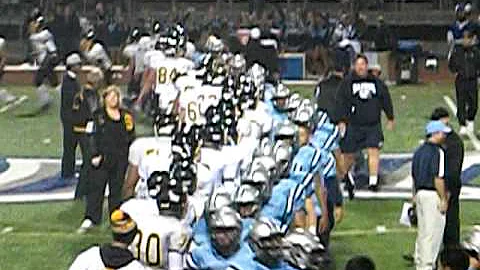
437	126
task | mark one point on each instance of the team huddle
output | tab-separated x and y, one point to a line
241	173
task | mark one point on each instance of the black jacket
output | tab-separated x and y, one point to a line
360	101
325	94
113	138
70	87
85	103
465	62
454	153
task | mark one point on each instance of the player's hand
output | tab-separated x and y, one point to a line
390	125
96	161
342	127
339	214
443	206
323	223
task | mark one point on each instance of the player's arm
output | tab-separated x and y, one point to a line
130	181
148	83
321	194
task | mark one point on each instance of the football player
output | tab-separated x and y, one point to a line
266	241
287	195
45	52
219	198
136	52
248	202
278	106
5	96
95	52
225	250
148	154
160	247
306	161
161	73
116	254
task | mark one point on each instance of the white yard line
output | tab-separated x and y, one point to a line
13	104
367	232
471	136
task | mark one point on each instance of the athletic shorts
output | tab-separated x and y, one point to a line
360	137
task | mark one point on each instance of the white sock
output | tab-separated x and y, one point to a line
373	180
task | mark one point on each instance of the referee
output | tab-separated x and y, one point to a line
430	195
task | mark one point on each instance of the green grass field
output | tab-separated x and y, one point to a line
43	234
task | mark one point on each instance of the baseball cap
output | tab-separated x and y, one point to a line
437	126
73	59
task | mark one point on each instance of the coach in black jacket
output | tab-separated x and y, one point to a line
70	87
465	63
361	99
454	153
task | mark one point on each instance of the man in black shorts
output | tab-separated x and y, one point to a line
361	99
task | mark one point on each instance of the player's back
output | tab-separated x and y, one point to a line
166	71
307	159
287	198
157	234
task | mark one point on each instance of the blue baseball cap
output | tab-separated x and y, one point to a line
437	126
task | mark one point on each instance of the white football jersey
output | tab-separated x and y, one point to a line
91	259
142	49
189	100
166	70
150	154
158	235
43	43
97	55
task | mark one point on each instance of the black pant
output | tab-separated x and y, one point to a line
47	72
333	192
85	170
451	236
70	142
467	99
112	171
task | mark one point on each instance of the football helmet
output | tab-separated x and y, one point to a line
280	97
258	177
168	193
305	251
282	154
225	229
247	200
266	240
214	45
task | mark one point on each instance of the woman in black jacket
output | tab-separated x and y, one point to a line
85	103
114	132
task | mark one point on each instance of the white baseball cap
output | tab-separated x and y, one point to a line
73	59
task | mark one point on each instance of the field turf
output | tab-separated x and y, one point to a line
43	235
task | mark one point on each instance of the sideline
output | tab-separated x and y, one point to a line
471	136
